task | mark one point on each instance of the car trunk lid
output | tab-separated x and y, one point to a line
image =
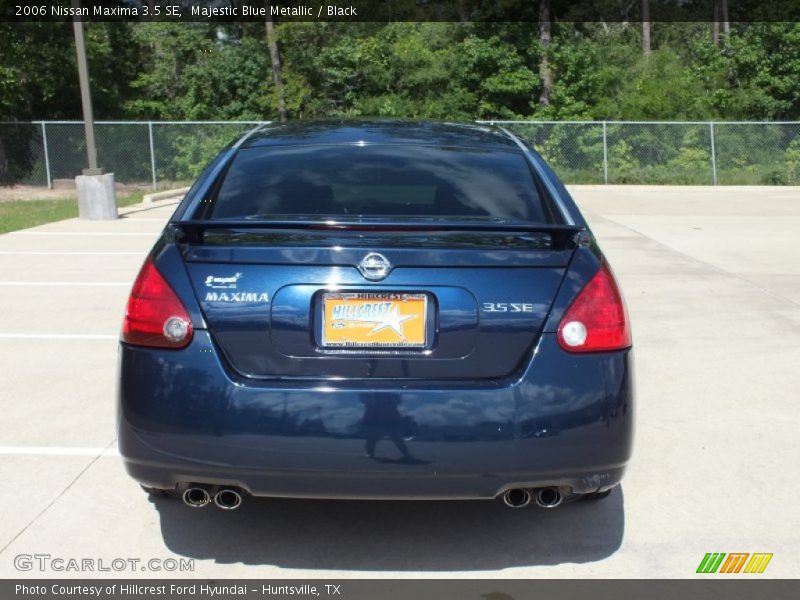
288	300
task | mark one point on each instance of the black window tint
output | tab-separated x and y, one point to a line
384	181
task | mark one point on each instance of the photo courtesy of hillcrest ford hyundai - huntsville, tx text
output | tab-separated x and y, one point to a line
376	310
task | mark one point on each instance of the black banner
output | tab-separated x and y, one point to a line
607	11
400	589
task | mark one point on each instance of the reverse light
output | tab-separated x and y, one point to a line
597	319
155	315
574	334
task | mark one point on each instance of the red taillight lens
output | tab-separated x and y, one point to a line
155	316
597	319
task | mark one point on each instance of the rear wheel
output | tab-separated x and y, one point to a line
155	492
598	495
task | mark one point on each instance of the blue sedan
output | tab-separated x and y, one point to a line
376	310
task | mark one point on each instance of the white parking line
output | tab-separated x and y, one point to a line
37	253
56	451
85	233
69	283
58	336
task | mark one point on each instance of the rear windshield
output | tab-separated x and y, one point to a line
379	181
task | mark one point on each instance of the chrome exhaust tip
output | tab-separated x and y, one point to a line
228	499
196	497
548	497
517	498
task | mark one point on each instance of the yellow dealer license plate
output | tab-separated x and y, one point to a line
374	320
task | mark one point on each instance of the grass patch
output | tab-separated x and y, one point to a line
21	214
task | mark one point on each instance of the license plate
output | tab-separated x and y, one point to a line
374	320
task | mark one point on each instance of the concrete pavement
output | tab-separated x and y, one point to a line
712	280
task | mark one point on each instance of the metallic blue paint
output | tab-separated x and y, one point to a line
566	421
272	339
494	403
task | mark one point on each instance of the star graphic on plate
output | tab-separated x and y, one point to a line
392	320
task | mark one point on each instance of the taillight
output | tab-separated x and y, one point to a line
155	315
597	319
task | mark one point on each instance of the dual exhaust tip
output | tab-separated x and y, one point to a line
547	497
231	499
224	498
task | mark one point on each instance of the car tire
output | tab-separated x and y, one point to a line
598	495
155	492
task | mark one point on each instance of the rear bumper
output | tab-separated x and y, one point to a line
566	422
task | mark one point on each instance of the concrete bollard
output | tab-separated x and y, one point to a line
97	198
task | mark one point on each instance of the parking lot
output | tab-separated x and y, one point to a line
712	280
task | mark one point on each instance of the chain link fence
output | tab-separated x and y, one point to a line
669	153
163	155
157	154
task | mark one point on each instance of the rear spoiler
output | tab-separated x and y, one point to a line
192	231
202	225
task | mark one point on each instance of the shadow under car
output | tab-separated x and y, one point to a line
394	535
